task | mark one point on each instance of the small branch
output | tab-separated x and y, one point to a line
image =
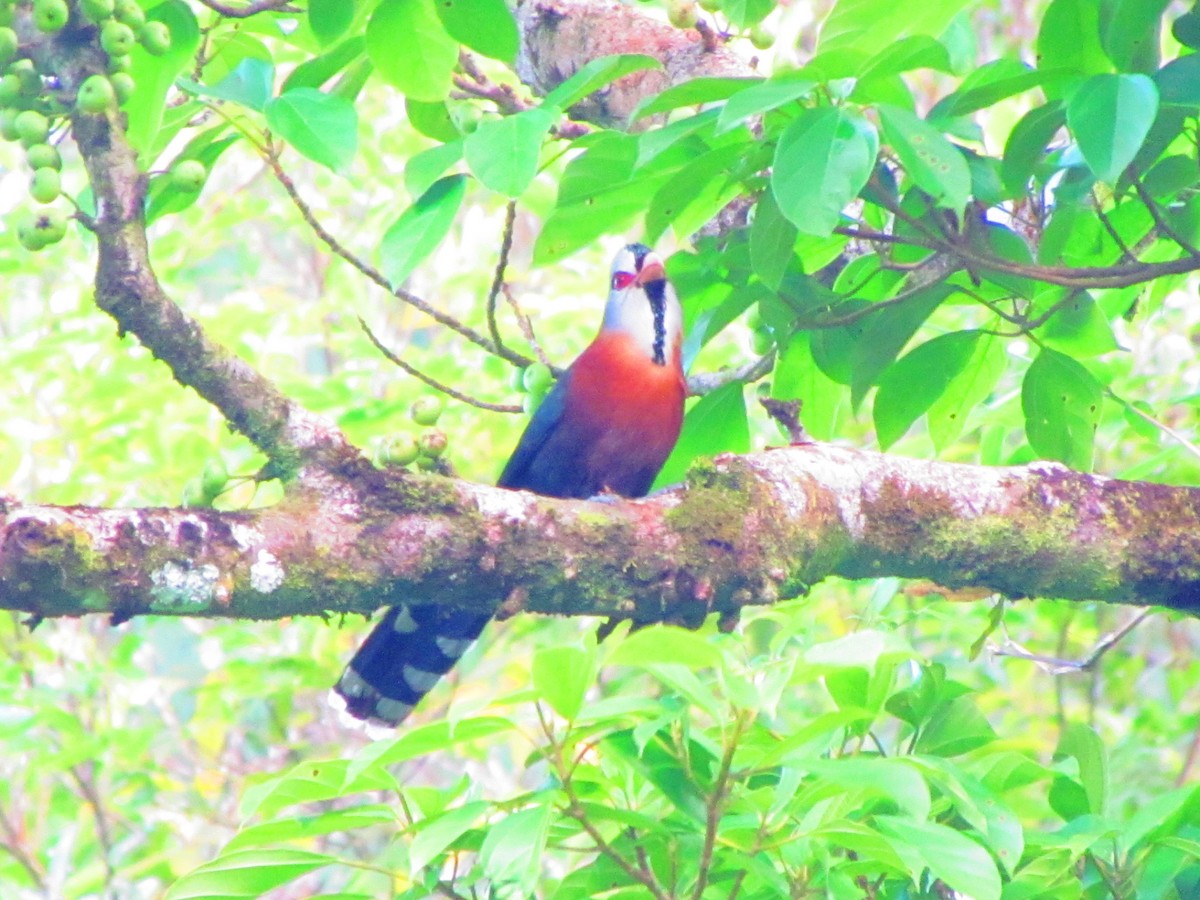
13	844
376	276
706	382
1057	666
432	382
510	220
1160	221
252	8
527	330
1161	426
83	775
716	805
1126	254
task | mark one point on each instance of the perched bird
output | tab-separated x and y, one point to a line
607	426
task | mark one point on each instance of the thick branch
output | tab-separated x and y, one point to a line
745	530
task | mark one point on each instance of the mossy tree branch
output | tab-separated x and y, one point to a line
744	531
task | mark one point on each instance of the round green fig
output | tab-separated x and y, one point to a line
188	175
96	95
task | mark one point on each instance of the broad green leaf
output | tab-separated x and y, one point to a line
715	424
294	827
895	779
1131	34
246	873
420	228
917	52
761	97
432	120
1069	38
433	835
1179	81
1110	116
249	84
991	83
868	26
950	855
1027	142
956	727
562	675
936	165
227	51
486	26
426	167
886	332
744	13
410	48
1061	402
1081	743
696	92
664	644
911	385
947	416
772	241
155	75
322	127
822	161
503	153
798	377
1079	328
982	809
320	69
694	194
329	19
415	742
595	75
512	849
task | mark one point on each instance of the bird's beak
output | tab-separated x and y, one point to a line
652	270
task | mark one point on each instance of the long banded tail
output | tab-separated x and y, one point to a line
401	660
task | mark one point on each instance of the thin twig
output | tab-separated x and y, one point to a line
1059	666
510	219
1161	426
527	330
1126	253
433	382
750	372
88	788
1160	221
250	9
716	805
376	276
12	843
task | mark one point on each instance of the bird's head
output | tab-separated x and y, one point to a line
642	303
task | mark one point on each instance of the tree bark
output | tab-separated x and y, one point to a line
743	531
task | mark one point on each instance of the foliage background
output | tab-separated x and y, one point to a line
132	755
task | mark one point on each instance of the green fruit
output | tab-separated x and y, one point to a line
762	37
130	13
1187	29
50	15
155	37
122	63
96	95
9	44
426	410
32	127
42	229
46	185
124	86
214	478
538	378
432	443
682	13
763	342
96	11
117	38
516	379
31	82
400	450
188	175
10	89
43	156
711	5
8	124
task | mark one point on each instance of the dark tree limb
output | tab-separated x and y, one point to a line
745	531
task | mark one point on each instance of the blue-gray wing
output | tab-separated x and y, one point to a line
524	471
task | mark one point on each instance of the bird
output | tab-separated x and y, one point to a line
605	428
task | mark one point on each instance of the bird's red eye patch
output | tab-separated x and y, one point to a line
621	280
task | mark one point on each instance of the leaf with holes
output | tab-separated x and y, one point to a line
1061	401
930	160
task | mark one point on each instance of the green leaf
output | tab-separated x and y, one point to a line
917	52
423	170
163	197
869	26
432	120
822	161
895	779
991	83
246	873
424	739
300	827
696	92
744	13
322	127
436	833
886	332
1079	328
930	160
1179	81
562	676
1027	142
410	48
512	850
595	75
155	75
420	228
1061	401
249	84
951	856
694	194
503	153
956	727
715	424
486	26
761	97
1081	743
1131	34
1069	38
318	70
329	19
664	644
1110	116
798	377
772	241
911	385
947	416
